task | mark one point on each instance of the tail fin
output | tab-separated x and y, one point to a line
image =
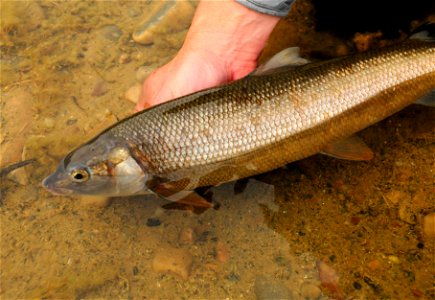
424	32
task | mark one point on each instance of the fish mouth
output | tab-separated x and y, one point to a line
51	184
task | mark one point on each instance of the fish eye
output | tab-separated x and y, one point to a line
79	175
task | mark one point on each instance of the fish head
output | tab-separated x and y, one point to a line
102	167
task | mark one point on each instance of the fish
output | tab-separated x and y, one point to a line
266	120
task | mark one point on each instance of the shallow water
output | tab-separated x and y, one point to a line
317	229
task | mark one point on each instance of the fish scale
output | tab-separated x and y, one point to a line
263	111
248	127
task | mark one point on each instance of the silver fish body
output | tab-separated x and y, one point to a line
250	126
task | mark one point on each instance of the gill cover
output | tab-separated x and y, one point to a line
103	166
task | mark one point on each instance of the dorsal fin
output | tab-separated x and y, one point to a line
285	58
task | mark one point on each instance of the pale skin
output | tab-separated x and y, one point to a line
222	45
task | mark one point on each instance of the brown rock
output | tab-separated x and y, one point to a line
393	197
100	88
173	260
310	291
429	225
133	93
187	236
406	212
124	58
222	253
373	265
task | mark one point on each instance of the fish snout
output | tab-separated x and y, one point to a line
51	184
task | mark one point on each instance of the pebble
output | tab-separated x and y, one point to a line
267	289
222	253
133	93
374	264
124	58
394	196
100	88
173	260
135	270
429	226
329	279
310	291
187	236
357	285
394	259
110	32
406	212
233	277
153	222
49	123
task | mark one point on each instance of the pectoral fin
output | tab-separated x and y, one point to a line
171	192
190	198
351	148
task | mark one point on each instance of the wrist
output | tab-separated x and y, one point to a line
231	32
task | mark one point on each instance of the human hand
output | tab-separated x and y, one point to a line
222	45
188	72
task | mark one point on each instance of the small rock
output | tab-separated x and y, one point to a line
310	291
267	289
355	220
394	259
222	253
173	260
100	88
187	236
110	32
70	122
124	58
429	226
94	201
406	212
153	222
329	279
135	270
374	264
133	93
357	285
393	197
49	123
233	277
